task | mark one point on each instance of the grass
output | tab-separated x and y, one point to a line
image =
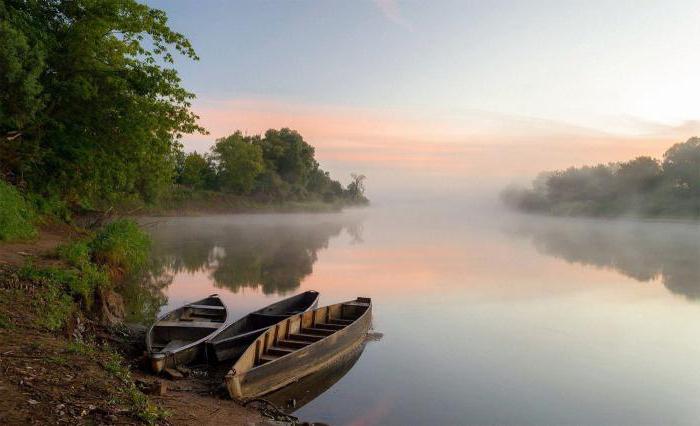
17	217
75	253
80	348
5	322
121	245
53	305
141	406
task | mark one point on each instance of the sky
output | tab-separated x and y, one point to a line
442	95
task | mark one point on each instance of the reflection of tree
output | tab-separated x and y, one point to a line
273	256
143	296
641	250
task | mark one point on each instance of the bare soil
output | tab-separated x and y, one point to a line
68	377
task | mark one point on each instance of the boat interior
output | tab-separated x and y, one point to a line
268	316
290	306
187	324
303	330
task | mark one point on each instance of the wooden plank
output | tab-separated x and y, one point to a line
295	344
267	358
319	331
330	326
189	324
209	307
279	350
305	337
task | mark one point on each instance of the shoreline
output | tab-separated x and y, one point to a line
85	370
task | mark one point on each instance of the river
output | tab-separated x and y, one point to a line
485	317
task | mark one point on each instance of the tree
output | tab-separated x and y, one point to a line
286	153
239	162
91	109
197	171
356	188
682	166
640	175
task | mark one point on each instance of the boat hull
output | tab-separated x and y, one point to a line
274	375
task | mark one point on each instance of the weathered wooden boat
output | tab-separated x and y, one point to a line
236	337
299	346
178	336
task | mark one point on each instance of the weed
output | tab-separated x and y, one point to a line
58	359
122	245
80	348
17	217
76	253
6	322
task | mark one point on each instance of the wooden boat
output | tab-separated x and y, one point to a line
178	337
236	337
299	346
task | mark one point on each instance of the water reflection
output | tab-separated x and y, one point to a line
644	251
293	397
144	296
275	257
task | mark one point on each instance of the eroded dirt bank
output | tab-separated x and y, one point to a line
85	372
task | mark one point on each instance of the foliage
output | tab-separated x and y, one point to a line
278	166
642	186
239	161
76	253
356	189
90	108
287	153
197	171
16	215
121	245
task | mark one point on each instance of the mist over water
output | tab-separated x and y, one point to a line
488	317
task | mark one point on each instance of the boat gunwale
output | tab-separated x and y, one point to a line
313	303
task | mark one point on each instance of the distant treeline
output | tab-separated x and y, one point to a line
644	186
278	165
92	112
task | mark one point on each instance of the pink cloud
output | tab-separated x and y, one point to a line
391	10
474	143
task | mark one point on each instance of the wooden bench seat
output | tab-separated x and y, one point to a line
209	307
188	324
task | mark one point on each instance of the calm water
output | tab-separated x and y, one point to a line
487	318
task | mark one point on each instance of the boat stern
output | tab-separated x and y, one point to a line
233	385
157	362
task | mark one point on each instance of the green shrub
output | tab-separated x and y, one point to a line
88	276
122	245
76	253
16	215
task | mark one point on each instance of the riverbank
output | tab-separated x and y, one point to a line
65	354
199	202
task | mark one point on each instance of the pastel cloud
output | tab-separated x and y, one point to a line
391	10
472	143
